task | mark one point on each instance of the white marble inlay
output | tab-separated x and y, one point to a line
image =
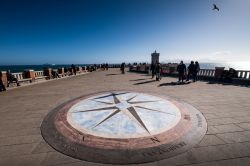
123	115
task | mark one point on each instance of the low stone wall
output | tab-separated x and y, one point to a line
29	76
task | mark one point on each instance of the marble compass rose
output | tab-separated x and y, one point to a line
123	127
123	115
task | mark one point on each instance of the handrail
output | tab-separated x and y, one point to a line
245	74
207	72
39	73
18	76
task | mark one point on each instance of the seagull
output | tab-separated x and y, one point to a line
215	7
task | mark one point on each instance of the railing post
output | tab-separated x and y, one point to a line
61	71
30	74
3	75
48	72
218	72
79	68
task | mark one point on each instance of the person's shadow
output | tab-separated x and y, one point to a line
141	79
173	83
145	82
112	74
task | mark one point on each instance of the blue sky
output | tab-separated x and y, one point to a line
97	31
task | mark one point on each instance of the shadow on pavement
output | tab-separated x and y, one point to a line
145	82
112	74
227	83
140	79
173	83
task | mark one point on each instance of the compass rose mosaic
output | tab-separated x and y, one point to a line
123	127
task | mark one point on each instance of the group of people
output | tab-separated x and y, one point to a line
105	66
156	70
185	73
69	70
190	72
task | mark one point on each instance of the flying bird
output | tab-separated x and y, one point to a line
216	8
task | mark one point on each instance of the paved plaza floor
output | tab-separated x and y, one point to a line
225	107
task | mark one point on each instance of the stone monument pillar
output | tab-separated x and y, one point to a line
155	57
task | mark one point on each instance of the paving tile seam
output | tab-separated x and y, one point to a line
227	132
243	123
223	117
80	162
18	144
23	120
23	155
214	161
21	134
21	144
219	144
228	124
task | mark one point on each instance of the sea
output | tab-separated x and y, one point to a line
20	68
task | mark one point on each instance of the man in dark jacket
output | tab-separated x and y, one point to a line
123	68
181	68
190	70
196	70
152	68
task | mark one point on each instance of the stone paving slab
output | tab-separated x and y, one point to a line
233	137
228	162
209	140
226	108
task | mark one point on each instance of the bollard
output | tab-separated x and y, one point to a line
218	72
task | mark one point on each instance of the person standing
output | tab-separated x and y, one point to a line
158	71
181	68
196	70
107	66
123	68
152	68
190	70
